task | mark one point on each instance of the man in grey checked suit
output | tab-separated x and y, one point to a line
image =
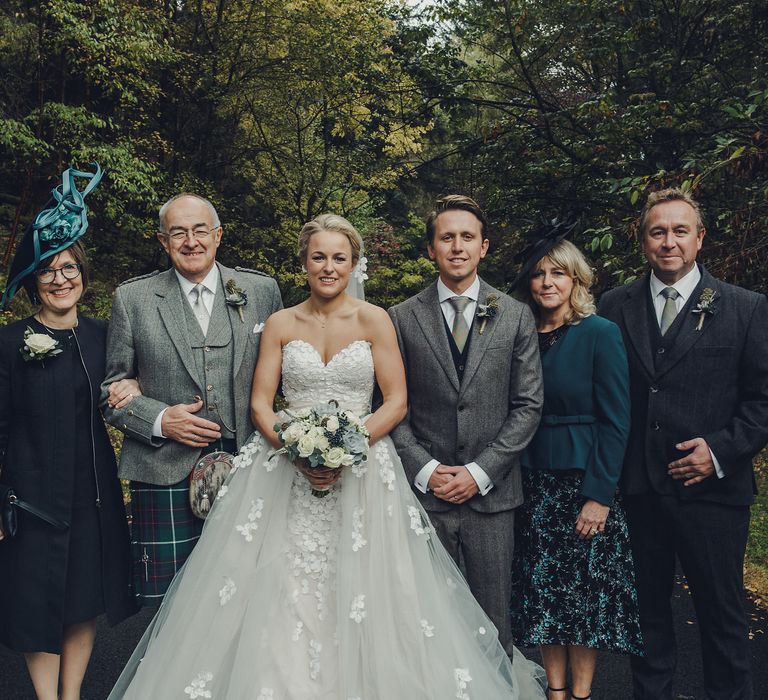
699	394
190	335
475	397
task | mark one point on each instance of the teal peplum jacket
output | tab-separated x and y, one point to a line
585	420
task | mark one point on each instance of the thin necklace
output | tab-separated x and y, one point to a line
320	318
50	332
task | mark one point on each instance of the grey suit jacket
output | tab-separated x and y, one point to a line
710	383
490	416
147	339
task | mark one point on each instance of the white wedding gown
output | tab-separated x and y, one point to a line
347	597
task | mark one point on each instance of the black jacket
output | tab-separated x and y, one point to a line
37	451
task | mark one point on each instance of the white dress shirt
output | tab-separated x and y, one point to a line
210	284
685	286
421	482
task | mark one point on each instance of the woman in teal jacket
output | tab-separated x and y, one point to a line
573	576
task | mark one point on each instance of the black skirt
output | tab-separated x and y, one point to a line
568	590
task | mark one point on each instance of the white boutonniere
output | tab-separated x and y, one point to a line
234	296
38	346
705	306
487	311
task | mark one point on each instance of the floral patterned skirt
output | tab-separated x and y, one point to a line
568	590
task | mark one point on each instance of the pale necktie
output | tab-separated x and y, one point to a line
460	329
201	313
670	308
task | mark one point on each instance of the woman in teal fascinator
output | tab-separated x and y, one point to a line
69	562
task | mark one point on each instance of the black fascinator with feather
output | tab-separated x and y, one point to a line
542	239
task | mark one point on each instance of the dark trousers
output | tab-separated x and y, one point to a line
482	544
709	539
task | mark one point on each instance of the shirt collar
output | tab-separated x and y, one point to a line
473	292
210	282
684	286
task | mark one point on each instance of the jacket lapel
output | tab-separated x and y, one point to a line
430	318
169	305
635	313
240	329
480	342
688	335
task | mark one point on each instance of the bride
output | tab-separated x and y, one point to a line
288	596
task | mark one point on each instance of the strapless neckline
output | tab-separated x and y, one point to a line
319	355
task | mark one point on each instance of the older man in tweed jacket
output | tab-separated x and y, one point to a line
190	335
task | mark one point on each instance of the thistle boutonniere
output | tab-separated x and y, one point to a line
38	346
235	297
705	305
487	311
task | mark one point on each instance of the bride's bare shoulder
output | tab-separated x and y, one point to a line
281	323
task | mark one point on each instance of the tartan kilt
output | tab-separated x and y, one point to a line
164	532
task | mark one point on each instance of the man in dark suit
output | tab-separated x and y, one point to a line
699	394
475	394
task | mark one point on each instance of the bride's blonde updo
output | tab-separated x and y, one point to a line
335	224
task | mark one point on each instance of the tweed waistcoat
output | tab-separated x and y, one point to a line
213	355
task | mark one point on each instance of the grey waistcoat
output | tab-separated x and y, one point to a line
213	355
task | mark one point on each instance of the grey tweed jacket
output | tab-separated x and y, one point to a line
147	339
490	416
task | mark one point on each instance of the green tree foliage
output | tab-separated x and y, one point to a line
275	110
586	106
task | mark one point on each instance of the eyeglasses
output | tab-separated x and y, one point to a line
70	271
197	233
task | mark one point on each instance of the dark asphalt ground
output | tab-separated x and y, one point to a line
114	646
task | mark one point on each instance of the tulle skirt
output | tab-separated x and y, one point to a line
348	597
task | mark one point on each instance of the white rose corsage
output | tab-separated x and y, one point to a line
38	346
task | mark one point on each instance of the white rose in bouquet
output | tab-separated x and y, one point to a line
293	433
334	457
332	424
306	445
39	343
321	443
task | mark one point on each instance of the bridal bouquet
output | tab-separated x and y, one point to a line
324	436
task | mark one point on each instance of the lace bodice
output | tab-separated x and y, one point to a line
347	378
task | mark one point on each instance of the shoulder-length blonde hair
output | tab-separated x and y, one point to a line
568	257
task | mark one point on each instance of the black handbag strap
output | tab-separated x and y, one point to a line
33	510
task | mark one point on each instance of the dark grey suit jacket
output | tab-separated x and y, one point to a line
712	383
490	416
147	339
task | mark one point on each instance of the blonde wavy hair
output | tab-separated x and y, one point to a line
568	257
335	224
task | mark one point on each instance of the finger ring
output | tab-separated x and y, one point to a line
130	396
593	531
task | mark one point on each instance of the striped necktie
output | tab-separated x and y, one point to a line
669	312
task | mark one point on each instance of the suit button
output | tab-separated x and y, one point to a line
207	349
461	448
209	387
654	390
461	368
125	427
660	351
461	407
130	413
655	425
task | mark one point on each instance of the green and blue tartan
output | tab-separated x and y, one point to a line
164	532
